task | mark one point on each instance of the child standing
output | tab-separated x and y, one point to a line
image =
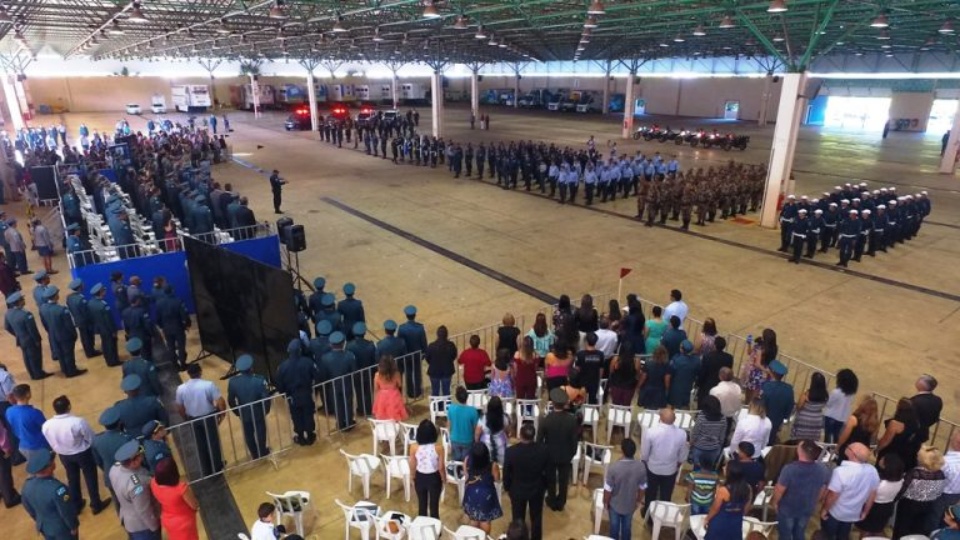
702	485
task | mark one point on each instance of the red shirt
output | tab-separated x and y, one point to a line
474	362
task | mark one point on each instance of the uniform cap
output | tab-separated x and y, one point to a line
854	212
359	329
863	183
50	292
244	363
803	197
337	338
14	298
40	275
73	227
866	212
150	428
39	461
802	211
685	345
924	193
410	311
319	283
814	201
558	396
845	201
838	188
881	207
109	417
97	287
892	202
856	199
293	346
324	328
134	345
127	452
818	211
833	205
390	325
791	197
778	368
75	284
327	300
130	383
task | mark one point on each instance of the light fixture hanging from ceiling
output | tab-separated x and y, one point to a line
115	29
727	22
277	10
679	38
777	38
376	34
480	34
880	21
884	34
777	6
136	14
461	23
699	31
596	8
947	27
430	10
338	27
591	22
493	41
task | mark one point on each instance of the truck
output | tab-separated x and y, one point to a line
570	101
341	92
589	102
291	95
241	96
190	97
158	104
413	93
556	99
535	99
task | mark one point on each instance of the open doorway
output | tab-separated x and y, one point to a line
941	116
857	113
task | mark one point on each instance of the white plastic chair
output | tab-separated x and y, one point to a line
600	391
438	407
668	514
397	467
466	532
619	416
591	417
409	436
445	443
595	455
424	528
359	516
685	419
362	465
242	536
392	525
456	475
696	526
597	537
762	501
384	431
528	410
293	504
751	524
597	510
477	399
575	464
509	406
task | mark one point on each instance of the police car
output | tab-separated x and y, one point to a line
391	115
298	120
366	116
339	111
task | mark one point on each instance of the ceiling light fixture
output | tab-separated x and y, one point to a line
480	34
493	41
727	22
679	39
880	22
699	31
591	22
778	38
884	35
277	10
338	27
947	28
596	8
376	34
430	10
777	6
136	15
461	23
115	29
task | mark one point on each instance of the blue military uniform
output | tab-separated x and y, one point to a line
391	345
320	344
351	310
849	231
61	331
295	378
415	337
21	324
314	300
48	502
777	397
122	302
247	394
154	451
335	366
136	410
144	369
107	442
173	319
137	323
365	352
77	304
788	214
798	234
329	312
103	323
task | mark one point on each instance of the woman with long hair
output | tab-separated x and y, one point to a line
653	330
502	376
614	315
558	364
755	372
480	501
709	431
653	380
492	429
902	434
808	423
633	325
388	402
622	381
732	500
428	469
862	426
178	505
564	324
586	317
704	342
839	404
526	361
508	334
543	339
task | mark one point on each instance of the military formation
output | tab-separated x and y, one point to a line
852	218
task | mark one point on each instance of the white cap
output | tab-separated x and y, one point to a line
847	184
826	193
803	197
838	188
881	207
814	201
865	194
910	197
818	211
866	211
876	192
854	212
833	205
893	188
883	190
924	193
892	202
845	201
802	211
856	199
863	183
791	197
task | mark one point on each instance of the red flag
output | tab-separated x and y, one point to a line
624	272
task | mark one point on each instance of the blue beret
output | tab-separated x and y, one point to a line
40	275
130	383
319	283
778	367
110	417
337	338
324	327
127	452
686	346
150	427
39	461
349	289
293	346
50	292
73	227
134	345
14	298
75	284
390	325
244	363
97	287
410	311
327	300
359	329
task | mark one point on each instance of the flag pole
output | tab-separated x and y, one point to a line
619	290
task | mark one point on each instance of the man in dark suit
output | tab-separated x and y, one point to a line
558	433
710	368
524	478
245	219
926	404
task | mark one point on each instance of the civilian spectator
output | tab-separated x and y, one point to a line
952	529
264	528
622	381
508	335
951	470
800	486
653	380
705	343
665	449
922	486
682	373
890	468
26	422
901	435
440	356
492	430
614	315
927	405
178	505
623	490
559	433
71	437
526	362
850	494
606	339
542	337
525	479
589	363
808	423
754	428
730	395
633	326
480	501
752	467
653	330
475	362
558	364
677	307
463	423
673	336
710	365
586	317
732	501
388	382
777	398
756	372
428	469
564	325
709	432
502	375
839	404
702	484
862	426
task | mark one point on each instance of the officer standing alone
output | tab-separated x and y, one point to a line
247	394
414	335
48	501
174	321
139	511
350	309
295	378
276	185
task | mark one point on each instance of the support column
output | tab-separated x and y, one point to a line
780	164
629	106
26	103
948	163
475	93
395	90
255	90
606	93
13	102
312	99
516	90
436	90
765	99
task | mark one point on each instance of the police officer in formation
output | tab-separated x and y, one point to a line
414	336
106	443
365	351
21	324
328	312
296	377
350	309
61	331
153	439
80	311
247	395
319	284
137	409
138	324
101	320
139	511
47	500
334	367
174	321
143	368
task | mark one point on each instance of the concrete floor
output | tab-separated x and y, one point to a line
890	318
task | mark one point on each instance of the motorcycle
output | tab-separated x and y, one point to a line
740	142
682	137
697	138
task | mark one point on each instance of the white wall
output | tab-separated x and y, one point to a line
912	105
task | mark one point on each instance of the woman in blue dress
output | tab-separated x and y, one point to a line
653	380
480	500
731	502
653	330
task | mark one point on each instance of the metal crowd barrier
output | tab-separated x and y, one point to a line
488	341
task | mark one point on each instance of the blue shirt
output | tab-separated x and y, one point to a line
803	481
26	422
463	422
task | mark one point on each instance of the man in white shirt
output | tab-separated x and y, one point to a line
951	469
730	395
263	528
664	449
201	402
71	438
852	489
676	306
606	339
